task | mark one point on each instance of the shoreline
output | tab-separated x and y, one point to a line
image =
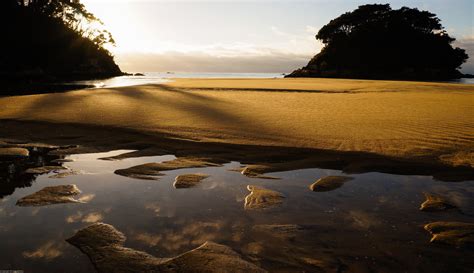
15	88
265	159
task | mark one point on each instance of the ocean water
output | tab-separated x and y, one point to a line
163	77
464	81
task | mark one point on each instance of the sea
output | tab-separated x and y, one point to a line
163	77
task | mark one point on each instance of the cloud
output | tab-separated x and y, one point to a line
363	220
467	43
241	58
92	217
293	50
264	61
48	251
155	207
87	197
175	239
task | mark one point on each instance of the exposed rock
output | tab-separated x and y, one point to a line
256	171
329	183
37	146
461	158
45	169
51	195
210	257
41	147
261	198
189	180
435	203
14	152
149	151
253	170
458	234
63	174
152	170
62	160
72	149
103	244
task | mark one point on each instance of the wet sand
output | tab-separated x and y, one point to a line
369	122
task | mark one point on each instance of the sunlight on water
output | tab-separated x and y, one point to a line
165	77
160	78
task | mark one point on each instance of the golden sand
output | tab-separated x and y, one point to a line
391	118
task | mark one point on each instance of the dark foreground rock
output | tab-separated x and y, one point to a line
63	174
257	171
45	169
189	180
151	171
435	203
261	198
329	183
457	234
51	195
14	152
103	244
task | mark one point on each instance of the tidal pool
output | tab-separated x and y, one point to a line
370	224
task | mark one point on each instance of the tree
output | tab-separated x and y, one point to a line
375	41
76	17
53	40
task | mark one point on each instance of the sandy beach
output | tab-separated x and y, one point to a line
395	119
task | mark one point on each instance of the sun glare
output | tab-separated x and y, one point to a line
128	28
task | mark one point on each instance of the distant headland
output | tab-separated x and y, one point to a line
378	42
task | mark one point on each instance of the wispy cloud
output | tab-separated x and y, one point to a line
48	251
271	62
467	43
283	57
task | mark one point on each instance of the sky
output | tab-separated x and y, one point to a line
242	36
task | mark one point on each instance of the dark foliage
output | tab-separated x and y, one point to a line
377	42
52	40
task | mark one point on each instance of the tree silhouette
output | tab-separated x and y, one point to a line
375	41
52	40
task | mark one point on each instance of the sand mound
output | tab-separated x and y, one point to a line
51	195
104	246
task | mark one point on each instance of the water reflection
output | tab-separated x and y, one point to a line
372	223
92	217
160	78
12	172
47	251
